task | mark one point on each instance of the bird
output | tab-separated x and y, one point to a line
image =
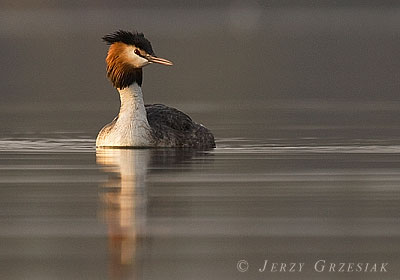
140	125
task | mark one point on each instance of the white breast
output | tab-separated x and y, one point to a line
131	129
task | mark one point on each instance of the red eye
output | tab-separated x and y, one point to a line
137	52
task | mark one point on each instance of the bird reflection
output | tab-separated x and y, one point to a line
123	205
124	201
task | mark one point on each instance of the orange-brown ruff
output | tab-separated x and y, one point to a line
139	125
119	70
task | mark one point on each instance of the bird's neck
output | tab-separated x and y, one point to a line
132	104
131	127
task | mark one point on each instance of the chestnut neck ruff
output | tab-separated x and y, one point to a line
120	72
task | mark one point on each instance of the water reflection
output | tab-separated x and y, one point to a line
124	205
167	214
124	200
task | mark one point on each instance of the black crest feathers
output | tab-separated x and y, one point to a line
129	38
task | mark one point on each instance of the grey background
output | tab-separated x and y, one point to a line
302	97
268	66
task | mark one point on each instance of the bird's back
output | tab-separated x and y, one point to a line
173	128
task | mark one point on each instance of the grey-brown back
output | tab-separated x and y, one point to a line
173	128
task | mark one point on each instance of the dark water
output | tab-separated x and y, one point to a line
304	104
71	212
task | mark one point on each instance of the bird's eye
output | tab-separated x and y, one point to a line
137	52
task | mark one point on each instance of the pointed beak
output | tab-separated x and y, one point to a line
159	60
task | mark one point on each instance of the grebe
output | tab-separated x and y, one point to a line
138	125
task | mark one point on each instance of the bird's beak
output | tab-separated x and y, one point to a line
159	60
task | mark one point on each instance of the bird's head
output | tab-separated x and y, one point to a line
128	53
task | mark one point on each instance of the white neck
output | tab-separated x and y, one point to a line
132	104
131	129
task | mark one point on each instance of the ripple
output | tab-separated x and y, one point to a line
224	146
47	145
307	145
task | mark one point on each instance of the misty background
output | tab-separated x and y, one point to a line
302	97
243	68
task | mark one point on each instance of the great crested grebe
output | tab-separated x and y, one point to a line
139	125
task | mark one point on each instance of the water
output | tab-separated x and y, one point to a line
71	212
303	100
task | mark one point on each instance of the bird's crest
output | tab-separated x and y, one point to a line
129	38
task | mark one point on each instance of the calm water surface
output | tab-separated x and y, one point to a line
303	99
69	211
